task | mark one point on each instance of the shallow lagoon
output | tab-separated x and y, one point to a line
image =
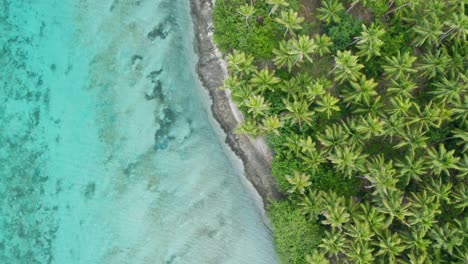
108	153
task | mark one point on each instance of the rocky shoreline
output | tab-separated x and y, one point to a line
211	69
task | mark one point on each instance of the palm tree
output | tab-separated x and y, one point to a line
298	111
284	55
299	182
239	63
276	4
458	27
432	116
394	206
290	20
393	126
412	167
317	258
360	231
427	31
271	124
441	191
257	106
371	127
369	42
399	65
442	160
246	11
381	176
390	246
332	137
347	160
248	127
460	196
361	91
446	237
434	64
413	139
328	105
333	243
264	80
347	67
330	11
307	144
231	83
400	106
377	221
417	242
355	138
404	86
241	94
314	90
292	146
311	205
335	216
303	47
323	44
313	159
373	107
360	253
451	91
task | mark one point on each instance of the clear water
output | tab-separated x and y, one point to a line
107	149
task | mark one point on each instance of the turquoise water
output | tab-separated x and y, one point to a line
108	153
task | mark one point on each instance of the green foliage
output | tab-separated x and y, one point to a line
343	33
231	32
295	237
370	139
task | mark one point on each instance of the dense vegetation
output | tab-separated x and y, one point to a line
364	104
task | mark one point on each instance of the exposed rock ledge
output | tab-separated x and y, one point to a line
212	70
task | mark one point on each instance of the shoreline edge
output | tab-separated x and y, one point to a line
211	69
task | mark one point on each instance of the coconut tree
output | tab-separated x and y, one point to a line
377	221
374	107
361	91
412	167
240	64
413	139
330	11
290	20
427	30
381	175
434	64
347	160
369	42
246	11
458	27
299	182
451	90
313	159
394	126
355	137
284	55
327	104
298	111
311	205
241	94
264	80
292	146
314	90
332	137
404	86
303	47
257	105
390	246
417	241
371	127
231	83
360	253
335	216
347	67
276	4
446	237
400	106
399	65
440	160
333	243
317	258
272	124
248	127
323	44
360	231
394	206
